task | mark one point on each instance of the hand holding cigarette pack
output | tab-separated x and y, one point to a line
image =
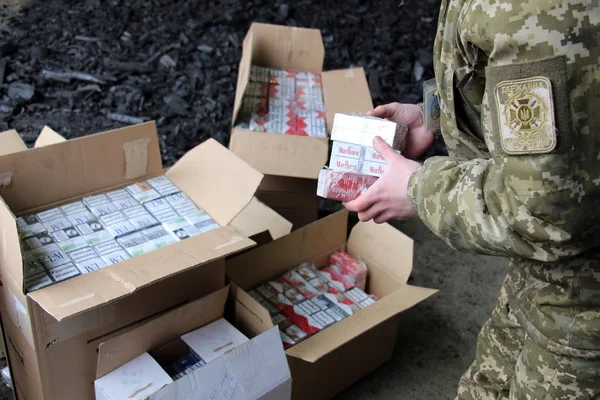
354	164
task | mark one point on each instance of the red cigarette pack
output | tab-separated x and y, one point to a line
336	280
343	186
350	268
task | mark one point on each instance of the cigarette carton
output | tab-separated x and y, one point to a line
143	192
321	285
335	279
280	285
139	217
57	224
343	186
81	217
136	380
135	244
367	302
159	236
64	235
300	284
295	333
357	295
213	340
118	194
81	255
328	300
75	243
361	130
103	209
39	241
51	214
116	224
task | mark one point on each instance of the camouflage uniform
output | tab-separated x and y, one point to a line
518	83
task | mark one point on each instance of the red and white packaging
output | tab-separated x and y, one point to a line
295	333
281	123
254	105
322	285
302	315
282	92
373	155
300	284
357	295
280	285
282	77
367	302
352	269
258	123
348	150
335	279
257	89
259	74
328	300
373	168
281	321
342	186
345	164
308	80
311	123
307	271
286	340
294	296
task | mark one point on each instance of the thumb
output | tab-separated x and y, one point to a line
386	151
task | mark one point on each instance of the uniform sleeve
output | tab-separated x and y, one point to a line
537	197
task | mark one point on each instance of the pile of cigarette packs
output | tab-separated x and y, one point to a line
306	300
354	164
278	101
105	229
205	345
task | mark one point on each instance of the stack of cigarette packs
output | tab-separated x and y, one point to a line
354	164
306	300
105	229
278	101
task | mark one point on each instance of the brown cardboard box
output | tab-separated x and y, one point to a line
333	359
290	156
53	334
256	369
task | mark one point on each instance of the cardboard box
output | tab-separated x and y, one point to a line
255	369
364	340
299	50
52	334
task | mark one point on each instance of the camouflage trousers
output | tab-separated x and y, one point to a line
542	341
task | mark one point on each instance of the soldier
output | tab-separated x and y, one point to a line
518	84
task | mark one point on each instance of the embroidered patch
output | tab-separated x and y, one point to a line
526	116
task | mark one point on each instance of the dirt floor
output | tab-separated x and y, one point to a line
193	100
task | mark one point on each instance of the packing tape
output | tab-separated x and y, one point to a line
5	179
136	158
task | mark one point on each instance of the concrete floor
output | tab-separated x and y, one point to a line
437	338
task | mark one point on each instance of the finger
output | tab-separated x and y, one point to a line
372	212
384	111
383	217
386	151
361	203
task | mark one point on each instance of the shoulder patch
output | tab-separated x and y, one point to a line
525	112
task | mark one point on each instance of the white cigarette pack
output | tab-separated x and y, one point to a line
135	380
361	130
213	340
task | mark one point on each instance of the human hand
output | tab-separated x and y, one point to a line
418	140
388	197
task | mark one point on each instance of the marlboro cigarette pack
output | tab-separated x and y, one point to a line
336	279
361	130
300	284
345	164
351	269
342	186
280	285
373	168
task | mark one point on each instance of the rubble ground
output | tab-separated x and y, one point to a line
91	65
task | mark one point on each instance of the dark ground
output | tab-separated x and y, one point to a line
121	43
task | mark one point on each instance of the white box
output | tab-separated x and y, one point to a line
95	200
64	272
213	340
136	380
73	208
142	192
362	130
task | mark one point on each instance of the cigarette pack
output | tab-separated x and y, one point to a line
39	241
159	236
118	194
75	243
367	302
295	334
200	219
83	254
213	340
286	340
53	257
267	291
282	92
103	209
116	257
280	285
37	281
125	202
254	104
345	164
73	208
259	74
357	295
143	192
64	272
329	300
258	123
361	130
65	235
139	217
93	264
49	215
282	78
311	126
336	279
294	296
306	323
308	80
281	302
136	380
31	264
348	150
350	268
157	205
300	284
181	228
373	168
343	186
281	321
97	236
29	225
257	90
165	215
307	271
135	244
57	224
111	252
81	217
95	200
281	123
270	307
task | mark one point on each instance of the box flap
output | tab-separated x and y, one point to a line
76	167
244	373
345	91
287	47
97	288
283	155
256	218
384	246
339	334
11	142
313	241
11	261
243	75
159	331
216	180
47	137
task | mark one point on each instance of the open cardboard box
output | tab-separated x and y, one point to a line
346	91
335	358
52	334
256	369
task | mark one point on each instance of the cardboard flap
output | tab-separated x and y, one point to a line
256	218
288	155
47	137
97	288
383	246
287	47
216	180
159	331
11	262
244	373
243	75
11	142
76	167
344	331
310	242
250	317
345	91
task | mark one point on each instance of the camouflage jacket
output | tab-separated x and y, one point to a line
519	86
